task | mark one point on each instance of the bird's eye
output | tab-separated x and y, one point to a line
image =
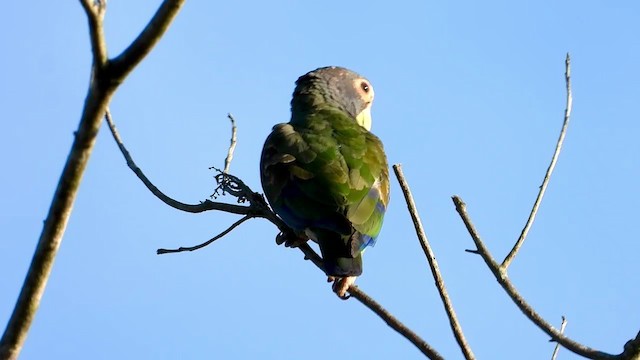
365	86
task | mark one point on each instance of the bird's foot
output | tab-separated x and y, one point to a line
290	240
341	285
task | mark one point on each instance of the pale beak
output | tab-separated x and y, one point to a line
364	118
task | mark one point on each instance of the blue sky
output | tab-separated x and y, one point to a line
469	98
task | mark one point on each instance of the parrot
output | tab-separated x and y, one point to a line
325	174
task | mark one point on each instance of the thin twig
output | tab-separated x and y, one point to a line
547	176
394	323
192	208
259	208
232	145
435	270
199	246
502	278
557	348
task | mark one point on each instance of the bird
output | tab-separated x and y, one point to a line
325	174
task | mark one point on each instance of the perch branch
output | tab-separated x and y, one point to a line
632	348
547	176
312	255
259	208
435	270
394	323
232	145
557	347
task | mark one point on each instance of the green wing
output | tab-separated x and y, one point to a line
327	176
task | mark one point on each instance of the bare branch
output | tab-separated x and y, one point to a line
95	11
148	38
56	222
632	348
192	248
385	315
54	227
203	206
557	348
435	270
232	145
547	176
394	323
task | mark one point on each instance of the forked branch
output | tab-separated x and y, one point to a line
631	348
104	82
503	280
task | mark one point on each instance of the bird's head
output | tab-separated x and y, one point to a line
337	87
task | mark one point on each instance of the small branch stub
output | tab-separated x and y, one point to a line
557	348
232	145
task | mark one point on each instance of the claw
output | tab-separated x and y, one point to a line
290	240
341	285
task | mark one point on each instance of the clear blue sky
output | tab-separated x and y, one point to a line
469	97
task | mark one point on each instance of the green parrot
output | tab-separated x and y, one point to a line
325	174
